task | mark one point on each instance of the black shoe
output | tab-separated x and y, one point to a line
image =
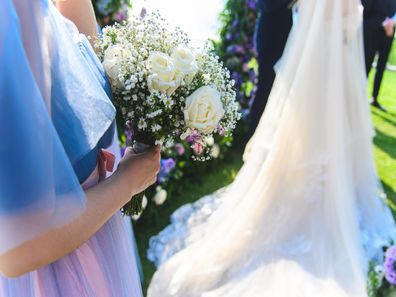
377	105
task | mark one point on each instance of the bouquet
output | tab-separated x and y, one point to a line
165	90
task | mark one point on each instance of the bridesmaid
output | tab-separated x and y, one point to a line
61	230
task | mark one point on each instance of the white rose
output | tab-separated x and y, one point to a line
210	140
114	57
185	63
160	196
204	110
163	76
215	151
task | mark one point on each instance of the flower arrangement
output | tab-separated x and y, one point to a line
382	276
236	47
166	91
109	12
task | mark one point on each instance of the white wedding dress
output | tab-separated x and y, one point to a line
304	215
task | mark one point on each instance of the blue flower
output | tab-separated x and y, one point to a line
167	165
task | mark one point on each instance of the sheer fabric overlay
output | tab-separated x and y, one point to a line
52	114
54	109
305	214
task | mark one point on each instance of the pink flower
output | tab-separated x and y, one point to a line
198	148
180	149
120	16
245	67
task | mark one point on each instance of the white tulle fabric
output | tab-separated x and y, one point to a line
305	204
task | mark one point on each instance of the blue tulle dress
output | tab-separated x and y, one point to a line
55	119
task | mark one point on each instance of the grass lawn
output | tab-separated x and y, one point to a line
191	190
392	56
385	141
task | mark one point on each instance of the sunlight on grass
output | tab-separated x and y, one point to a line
385	140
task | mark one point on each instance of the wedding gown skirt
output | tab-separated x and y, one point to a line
303	217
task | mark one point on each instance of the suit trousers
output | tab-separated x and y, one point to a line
376	42
271	36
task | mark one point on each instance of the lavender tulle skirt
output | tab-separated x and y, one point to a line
105	266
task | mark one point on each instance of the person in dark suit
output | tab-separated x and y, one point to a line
379	31
273	28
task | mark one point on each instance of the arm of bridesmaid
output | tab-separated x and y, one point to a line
134	174
80	12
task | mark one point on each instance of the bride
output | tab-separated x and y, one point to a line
303	217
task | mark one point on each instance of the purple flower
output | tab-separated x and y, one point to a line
234	23
195	136
253	75
180	149
129	136
231	49
143	12
390	265
220	130
239	49
236	76
123	149
167	165
120	16
252	4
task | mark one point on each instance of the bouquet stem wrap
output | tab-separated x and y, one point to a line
134	206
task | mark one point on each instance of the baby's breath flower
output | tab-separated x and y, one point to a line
142	125
155	128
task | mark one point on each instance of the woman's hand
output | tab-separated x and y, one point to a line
389	27
135	173
140	170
